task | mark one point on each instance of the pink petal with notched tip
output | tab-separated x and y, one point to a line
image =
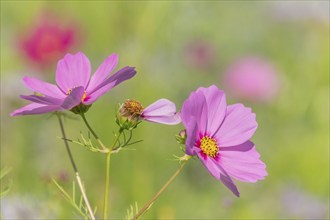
238	126
117	78
44	88
72	71
195	106
242	162
35	108
102	72
216	107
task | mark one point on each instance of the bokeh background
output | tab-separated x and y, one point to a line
270	55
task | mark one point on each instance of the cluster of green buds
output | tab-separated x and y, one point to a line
129	114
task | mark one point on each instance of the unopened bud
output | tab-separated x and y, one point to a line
181	137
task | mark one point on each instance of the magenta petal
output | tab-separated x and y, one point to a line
242	162
74	98
238	127
72	71
122	75
45	100
219	173
216	107
103	72
44	88
35	108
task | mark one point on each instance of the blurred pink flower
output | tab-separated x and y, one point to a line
219	135
48	41
253	79
200	55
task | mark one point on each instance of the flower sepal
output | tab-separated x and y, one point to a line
127	123
80	109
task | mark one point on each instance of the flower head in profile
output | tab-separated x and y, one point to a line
131	112
75	86
219	135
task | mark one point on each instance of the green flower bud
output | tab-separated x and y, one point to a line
181	137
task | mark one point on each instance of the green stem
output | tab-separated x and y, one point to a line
107	175
93	132
147	205
75	168
108	159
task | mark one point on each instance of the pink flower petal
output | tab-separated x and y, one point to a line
162	111
242	162
74	98
35	108
44	88
73	71
161	107
219	173
192	134
117	78
216	107
168	120
45	100
103	72
238	126
195	106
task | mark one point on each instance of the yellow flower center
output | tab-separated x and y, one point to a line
82	99
131	109
209	146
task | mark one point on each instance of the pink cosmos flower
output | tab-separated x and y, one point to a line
219	135
74	85
253	79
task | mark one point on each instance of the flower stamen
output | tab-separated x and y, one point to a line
209	146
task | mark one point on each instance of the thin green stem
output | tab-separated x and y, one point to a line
93	132
147	205
107	175
75	167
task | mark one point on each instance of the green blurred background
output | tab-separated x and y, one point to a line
292	136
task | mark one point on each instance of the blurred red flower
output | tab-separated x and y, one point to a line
48	41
